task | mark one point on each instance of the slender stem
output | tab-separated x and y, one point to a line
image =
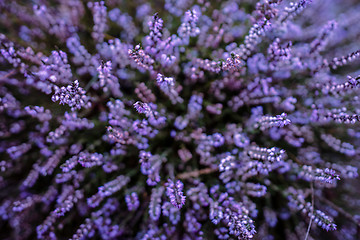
92	80
195	173
293	157
12	72
108	37
312	210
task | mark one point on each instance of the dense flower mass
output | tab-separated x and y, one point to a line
179	119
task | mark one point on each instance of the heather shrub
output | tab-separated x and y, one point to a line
185	119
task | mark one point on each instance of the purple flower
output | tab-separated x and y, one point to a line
266	122
99	16
175	194
132	201
242	101
143	108
155	203
107	189
72	95
108	81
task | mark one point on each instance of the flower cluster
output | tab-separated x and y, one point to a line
174	192
179	119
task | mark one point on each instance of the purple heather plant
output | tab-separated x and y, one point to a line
179	119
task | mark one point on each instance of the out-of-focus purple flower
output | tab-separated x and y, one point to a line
132	201
108	81
107	189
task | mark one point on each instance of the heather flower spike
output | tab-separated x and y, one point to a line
72	95
175	193
132	201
